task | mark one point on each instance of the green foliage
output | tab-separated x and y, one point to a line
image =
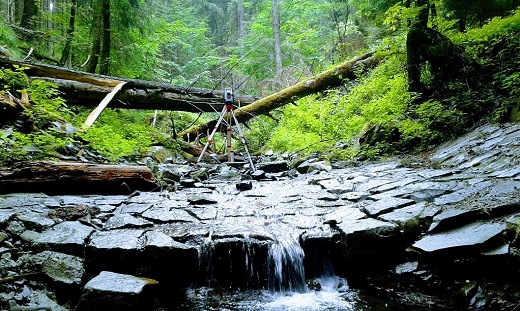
318	122
434	124
9	43
120	134
480	41
261	131
13	80
48	106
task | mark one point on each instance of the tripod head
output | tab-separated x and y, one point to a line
228	96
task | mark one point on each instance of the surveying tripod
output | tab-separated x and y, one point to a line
228	111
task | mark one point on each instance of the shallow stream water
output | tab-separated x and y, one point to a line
335	295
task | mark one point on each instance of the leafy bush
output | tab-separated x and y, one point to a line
318	122
117	134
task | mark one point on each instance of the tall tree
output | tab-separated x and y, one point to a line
105	48
70	33
30	12
240	23
96	33
276	31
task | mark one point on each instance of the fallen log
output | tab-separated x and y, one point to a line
75	178
86	89
315	84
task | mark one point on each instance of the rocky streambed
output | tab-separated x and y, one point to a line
438	232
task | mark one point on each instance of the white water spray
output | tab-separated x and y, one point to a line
285	266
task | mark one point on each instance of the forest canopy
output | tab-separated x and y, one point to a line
259	47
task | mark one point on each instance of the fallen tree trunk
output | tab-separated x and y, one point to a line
75	178
85	89
312	85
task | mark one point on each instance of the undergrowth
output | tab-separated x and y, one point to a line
44	129
377	115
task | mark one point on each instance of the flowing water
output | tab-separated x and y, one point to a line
285	266
286	287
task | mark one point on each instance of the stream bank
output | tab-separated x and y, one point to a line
440	232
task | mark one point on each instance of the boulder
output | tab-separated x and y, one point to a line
111	291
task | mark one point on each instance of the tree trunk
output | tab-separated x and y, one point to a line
423	45
70	34
30	12
276	31
105	51
97	25
240	23
312	85
75	178
80	88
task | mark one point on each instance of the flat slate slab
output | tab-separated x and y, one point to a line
474	235
121	221
124	239
114	291
165	215
68	236
368	227
419	211
386	205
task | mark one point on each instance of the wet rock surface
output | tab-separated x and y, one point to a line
446	228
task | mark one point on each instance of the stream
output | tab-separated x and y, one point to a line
408	233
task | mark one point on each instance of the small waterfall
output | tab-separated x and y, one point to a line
245	262
233	263
285	266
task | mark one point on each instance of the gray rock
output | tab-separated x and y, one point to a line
462	194
6	215
244	185
118	239
273	167
453	218
156	240
478	160
507	173
367	183
407	267
165	215
116	292
507	188
354	196
427	195
502	250
385	205
67	237
400	183
303	167
368	227
34	221
171	172
201	200
228	174
121	221
336	186
135	208
188	182
318	167
15	227
470	237
345	213
61	268
412	216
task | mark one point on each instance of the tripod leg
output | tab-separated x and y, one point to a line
231	156
243	140
210	138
